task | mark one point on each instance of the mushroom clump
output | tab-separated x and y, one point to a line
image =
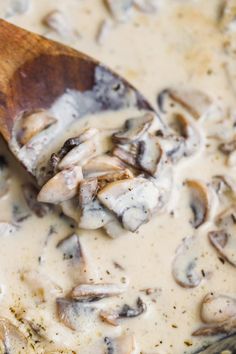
122	189
218	312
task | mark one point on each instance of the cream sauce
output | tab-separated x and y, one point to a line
180	45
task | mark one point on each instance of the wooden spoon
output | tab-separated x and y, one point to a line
34	72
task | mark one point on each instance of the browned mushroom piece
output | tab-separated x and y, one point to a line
31	124
134	128
200	199
188	131
113	177
225	243
133	201
73	254
119	9
224	186
185	265
62	186
193	101
102	164
95	292
125	344
219	313
12	341
150	155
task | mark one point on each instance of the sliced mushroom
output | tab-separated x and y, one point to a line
113	228
188	131
101	165
229	149
124	344
217	308
129	312
42	288
227	218
109	317
75	315
224	185
30	193
200	202
227	327
119	9
32	124
70	209
174	147
57	21
133	201
134	128
71	143
150	154
87	191
13	341
184	266
113	177
95	292
73	253
225	243
94	216
62	186
7	228
126	155
192	100
80	154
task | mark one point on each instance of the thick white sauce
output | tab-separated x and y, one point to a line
179	45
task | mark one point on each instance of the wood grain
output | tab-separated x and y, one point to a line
35	71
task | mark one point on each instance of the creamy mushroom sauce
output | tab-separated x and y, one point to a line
181	45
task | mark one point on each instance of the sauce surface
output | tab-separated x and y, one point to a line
180	45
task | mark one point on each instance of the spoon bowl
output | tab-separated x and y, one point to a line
35	72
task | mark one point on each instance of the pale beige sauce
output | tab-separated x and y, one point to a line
177	46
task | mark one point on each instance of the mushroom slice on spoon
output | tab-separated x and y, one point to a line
200	199
62	186
101	165
133	201
134	128
12	339
125	344
31	124
95	292
184	266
